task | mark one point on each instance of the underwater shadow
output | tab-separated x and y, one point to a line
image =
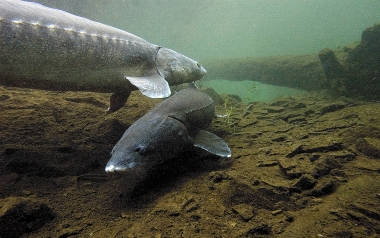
167	177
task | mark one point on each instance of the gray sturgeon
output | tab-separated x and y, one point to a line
172	126
46	48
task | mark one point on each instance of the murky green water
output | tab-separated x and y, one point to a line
250	91
209	29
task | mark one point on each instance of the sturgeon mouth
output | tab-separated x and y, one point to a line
119	168
118	164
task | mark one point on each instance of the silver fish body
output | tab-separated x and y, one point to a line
168	129
46	48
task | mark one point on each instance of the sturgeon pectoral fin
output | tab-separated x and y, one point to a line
212	144
118	100
153	85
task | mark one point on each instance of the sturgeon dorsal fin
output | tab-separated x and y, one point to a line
212	144
152	85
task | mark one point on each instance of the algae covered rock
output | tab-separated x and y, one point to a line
363	65
19	216
369	146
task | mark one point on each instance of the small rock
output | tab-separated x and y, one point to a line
324	187
369	146
260	111
317	200
189	204
256	183
187	201
324	166
314	158
19	216
217	176
344	155
334	210
74	231
306	182
276	212
289	219
320	147
192	207
4	97
175	205
281	103
299	119
26	192
279	139
159	235
258	231
332	107
290	168
275	109
247	121
368	212
244	210
169	207
286	164
298	105
195	217
287	116
217	209
267	163
297	150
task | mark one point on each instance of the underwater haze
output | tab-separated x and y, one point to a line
206	30
214	29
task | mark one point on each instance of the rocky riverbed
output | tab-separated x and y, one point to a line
301	167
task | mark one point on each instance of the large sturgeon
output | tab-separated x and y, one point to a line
46	48
164	132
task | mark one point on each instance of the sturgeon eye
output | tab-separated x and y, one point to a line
142	150
139	149
199	66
